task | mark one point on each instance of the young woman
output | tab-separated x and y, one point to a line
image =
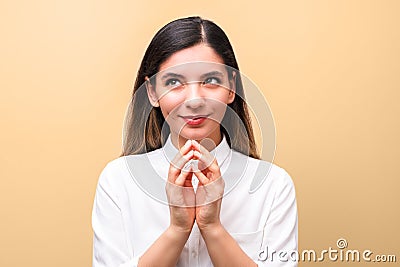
179	194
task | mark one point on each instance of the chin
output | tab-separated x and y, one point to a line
197	133
194	134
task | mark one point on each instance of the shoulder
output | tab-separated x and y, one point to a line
264	174
116	171
114	166
110	172
119	171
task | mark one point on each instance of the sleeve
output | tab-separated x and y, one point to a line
279	246
110	244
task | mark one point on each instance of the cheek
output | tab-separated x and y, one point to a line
222	98
222	95
219	107
169	104
220	112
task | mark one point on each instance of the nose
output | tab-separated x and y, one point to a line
194	98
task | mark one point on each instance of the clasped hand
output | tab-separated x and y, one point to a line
186	205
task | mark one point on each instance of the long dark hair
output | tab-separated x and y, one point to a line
144	130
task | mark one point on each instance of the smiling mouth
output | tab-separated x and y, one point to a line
195	119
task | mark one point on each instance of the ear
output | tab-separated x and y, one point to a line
232	91
151	93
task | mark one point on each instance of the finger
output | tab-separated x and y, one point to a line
176	167
203	151
210	192
197	146
202	178
188	181
182	157
202	158
180	180
186	147
206	163
183	150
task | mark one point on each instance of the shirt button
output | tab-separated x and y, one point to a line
194	254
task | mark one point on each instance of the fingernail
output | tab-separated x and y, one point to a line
188	142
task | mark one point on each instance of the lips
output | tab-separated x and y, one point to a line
194	119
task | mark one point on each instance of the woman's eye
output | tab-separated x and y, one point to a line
212	81
173	83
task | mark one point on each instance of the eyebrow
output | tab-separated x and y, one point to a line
171	74
212	73
176	75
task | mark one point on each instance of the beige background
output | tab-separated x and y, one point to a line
329	69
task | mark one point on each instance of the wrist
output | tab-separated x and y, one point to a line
179	231
214	230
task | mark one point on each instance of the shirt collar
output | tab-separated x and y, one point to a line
221	152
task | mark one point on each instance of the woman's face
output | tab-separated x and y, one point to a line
193	89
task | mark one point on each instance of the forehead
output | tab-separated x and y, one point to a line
200	52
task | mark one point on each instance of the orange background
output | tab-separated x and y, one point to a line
329	69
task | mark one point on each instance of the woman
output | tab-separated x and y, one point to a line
188	133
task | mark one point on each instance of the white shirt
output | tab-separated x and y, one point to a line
130	210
